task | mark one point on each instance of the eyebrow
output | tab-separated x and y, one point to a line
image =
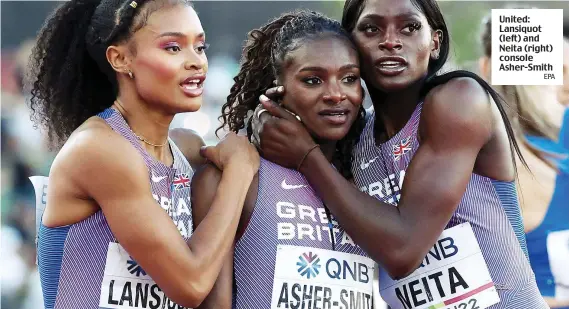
342	68
179	34
402	15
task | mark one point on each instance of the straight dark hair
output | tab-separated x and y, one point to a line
435	18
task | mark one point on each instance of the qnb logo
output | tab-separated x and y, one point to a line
134	268
308	265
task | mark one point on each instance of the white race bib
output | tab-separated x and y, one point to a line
453	275
558	252
40	187
126	284
318	278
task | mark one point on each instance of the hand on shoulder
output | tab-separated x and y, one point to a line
189	142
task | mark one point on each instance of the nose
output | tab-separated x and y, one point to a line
334	94
195	61
390	41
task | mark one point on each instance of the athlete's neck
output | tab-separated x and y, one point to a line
147	123
394	109
328	148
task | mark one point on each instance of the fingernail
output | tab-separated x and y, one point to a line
266	104
263	98
280	89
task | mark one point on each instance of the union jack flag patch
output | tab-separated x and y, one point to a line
402	148
181	181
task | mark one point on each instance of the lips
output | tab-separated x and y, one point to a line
337	116
391	66
193	86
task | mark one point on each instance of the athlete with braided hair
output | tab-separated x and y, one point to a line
289	251
109	77
435	168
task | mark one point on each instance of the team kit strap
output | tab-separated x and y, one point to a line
453	275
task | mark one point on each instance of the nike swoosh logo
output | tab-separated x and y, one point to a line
286	186
365	165
157	179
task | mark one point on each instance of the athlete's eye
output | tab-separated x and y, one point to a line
312	81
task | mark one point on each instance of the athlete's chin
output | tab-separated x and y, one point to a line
396	83
332	134
393	84
188	105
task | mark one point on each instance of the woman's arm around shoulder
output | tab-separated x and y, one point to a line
119	183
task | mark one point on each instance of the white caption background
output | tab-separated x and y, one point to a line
527	47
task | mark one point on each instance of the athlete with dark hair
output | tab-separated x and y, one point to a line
441	149
289	249
109	77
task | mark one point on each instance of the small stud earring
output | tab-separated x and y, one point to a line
130	75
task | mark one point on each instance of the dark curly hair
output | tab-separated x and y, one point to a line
262	62
71	79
